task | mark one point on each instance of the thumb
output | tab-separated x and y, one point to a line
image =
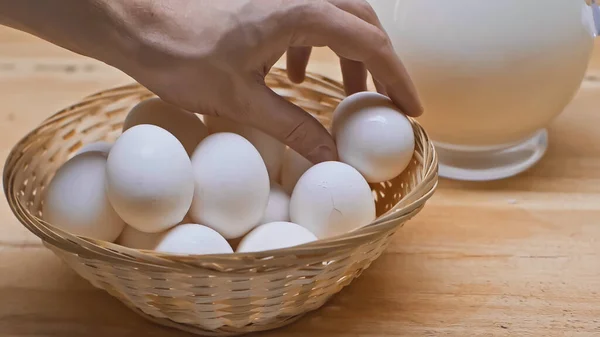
291	125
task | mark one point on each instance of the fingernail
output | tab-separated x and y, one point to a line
419	110
322	153
413	106
418	107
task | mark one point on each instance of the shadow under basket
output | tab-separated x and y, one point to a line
215	295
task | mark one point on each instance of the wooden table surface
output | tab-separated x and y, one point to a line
520	257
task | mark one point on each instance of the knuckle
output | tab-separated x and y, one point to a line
312	10
366	9
380	40
302	10
381	47
360	8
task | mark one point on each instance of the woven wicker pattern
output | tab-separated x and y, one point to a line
219	294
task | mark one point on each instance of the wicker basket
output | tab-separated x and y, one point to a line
214	295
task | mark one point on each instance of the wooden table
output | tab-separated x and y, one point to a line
519	257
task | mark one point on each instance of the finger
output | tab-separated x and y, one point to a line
291	125
361	9
297	60
358	40
354	75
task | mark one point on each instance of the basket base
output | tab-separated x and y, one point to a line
224	332
463	163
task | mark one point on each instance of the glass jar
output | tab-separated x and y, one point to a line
491	74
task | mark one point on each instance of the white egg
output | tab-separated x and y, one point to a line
275	235
293	167
184	125
76	200
332	198
270	149
135	239
150	182
231	184
373	136
103	147
278	206
193	239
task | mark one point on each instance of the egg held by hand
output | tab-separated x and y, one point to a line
149	178
76	199
330	199
231	185
373	136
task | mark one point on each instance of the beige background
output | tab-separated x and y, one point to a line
519	257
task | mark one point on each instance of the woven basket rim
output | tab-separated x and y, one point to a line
405	209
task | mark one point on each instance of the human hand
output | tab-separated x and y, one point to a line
211	57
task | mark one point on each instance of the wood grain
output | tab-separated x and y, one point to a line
518	257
